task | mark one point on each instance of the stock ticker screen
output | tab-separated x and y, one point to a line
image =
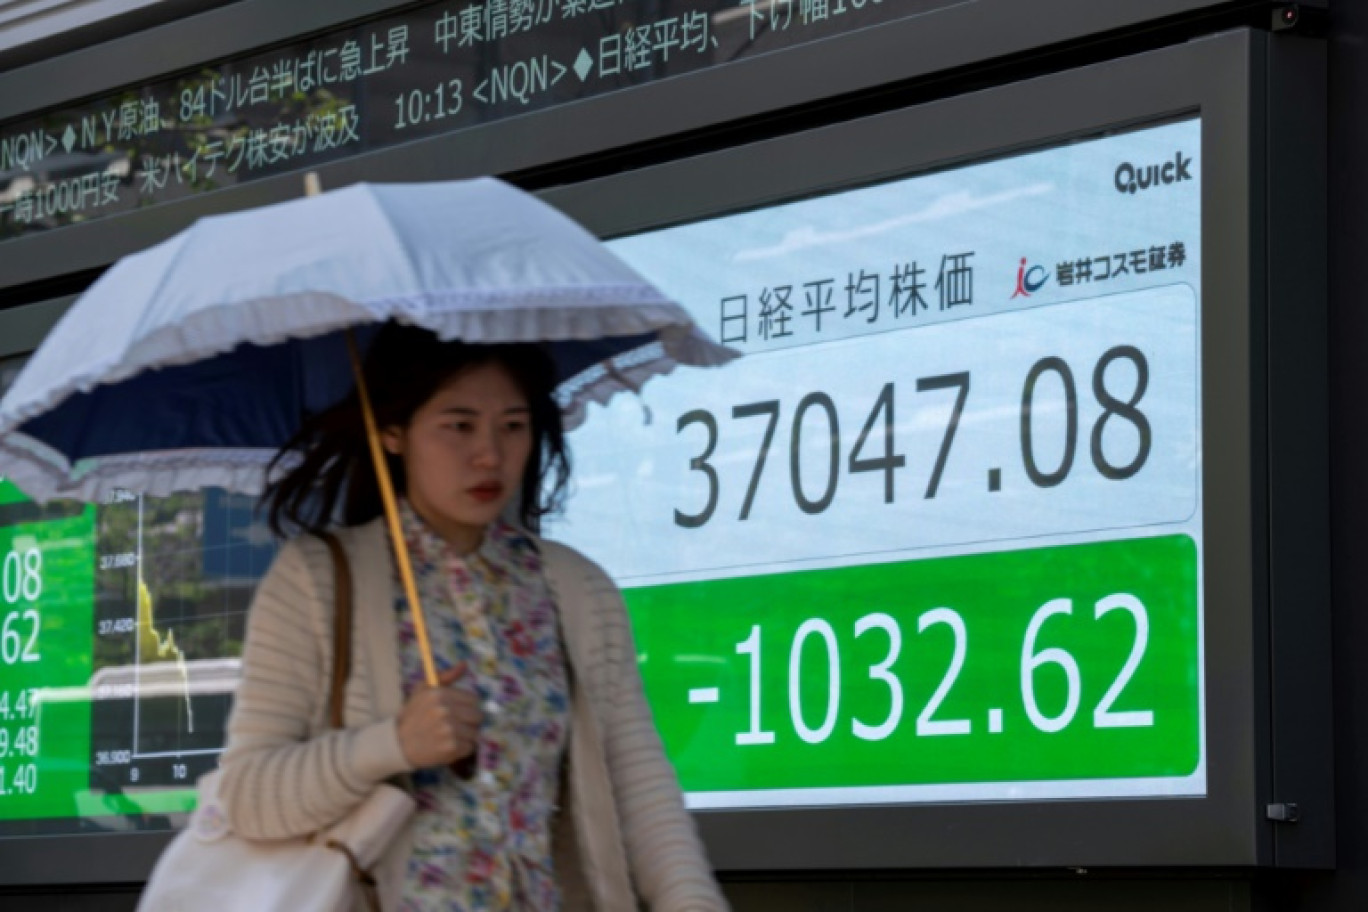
935	537
121	627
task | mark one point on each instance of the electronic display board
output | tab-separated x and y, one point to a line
938	535
120	639
428	70
956	567
971	560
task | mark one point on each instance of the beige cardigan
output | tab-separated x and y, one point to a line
285	773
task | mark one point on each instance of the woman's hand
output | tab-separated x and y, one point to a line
440	725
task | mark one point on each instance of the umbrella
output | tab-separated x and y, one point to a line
190	363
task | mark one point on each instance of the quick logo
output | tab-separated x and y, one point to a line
1132	178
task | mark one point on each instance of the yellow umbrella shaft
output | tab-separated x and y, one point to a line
401	552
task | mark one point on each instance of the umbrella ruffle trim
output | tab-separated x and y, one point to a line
630	371
43	476
511	316
524	315
37	469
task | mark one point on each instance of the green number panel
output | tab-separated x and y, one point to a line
1062	663
46	607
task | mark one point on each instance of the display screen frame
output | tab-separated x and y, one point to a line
742	545
1223	81
1210	80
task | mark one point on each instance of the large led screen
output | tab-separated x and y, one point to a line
937	535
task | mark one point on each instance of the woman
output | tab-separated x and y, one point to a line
570	801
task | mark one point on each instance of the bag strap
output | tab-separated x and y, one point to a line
365	880
342	629
337	696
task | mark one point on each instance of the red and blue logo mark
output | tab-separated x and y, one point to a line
1029	279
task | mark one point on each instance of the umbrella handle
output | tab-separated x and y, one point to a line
401	552
464	768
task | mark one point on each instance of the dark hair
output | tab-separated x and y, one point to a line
334	478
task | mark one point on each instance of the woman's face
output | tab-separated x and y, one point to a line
464	452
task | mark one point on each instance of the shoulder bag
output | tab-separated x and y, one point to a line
208	867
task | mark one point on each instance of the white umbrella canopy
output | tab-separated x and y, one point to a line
189	363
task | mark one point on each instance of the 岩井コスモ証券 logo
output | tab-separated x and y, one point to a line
1029	279
1131	178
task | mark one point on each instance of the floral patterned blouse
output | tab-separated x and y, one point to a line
485	843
